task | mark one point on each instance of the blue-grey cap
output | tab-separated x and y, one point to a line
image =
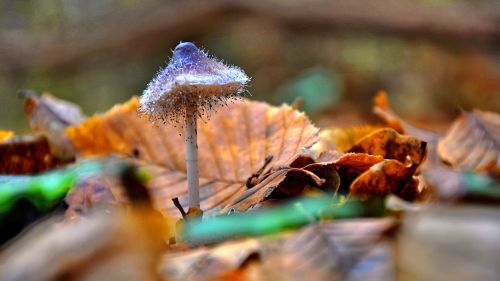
192	81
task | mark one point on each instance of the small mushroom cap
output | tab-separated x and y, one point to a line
192	81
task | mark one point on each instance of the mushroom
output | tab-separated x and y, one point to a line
191	86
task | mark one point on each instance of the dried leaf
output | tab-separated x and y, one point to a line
473	142
232	146
27	154
122	245
309	254
185	265
342	138
292	181
391	145
396	177
386	177
351	165
448	184
51	116
334	250
48	113
108	244
297	180
5	135
390	176
339	170
383	109
96	190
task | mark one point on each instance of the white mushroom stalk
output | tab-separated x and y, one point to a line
192	169
191	86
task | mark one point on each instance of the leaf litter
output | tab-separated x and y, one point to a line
255	158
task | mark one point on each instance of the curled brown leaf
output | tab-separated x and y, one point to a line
447	183
390	144
386	177
286	182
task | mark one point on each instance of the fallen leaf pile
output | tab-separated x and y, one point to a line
470	145
237	143
281	199
333	250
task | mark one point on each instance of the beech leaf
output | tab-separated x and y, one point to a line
48	113
232	146
389	144
473	142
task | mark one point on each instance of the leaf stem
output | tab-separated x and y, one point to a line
192	160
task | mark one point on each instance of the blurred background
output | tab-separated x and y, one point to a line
432	56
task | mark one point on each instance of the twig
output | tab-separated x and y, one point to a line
251	181
178	205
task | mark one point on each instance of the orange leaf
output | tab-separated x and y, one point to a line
388	176
232	146
391	145
351	165
342	138
383	109
447	182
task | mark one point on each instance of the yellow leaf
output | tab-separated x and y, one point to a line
342	138
4	135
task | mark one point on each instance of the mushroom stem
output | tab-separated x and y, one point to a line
192	160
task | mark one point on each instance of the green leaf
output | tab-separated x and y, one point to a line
44	190
482	185
271	220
